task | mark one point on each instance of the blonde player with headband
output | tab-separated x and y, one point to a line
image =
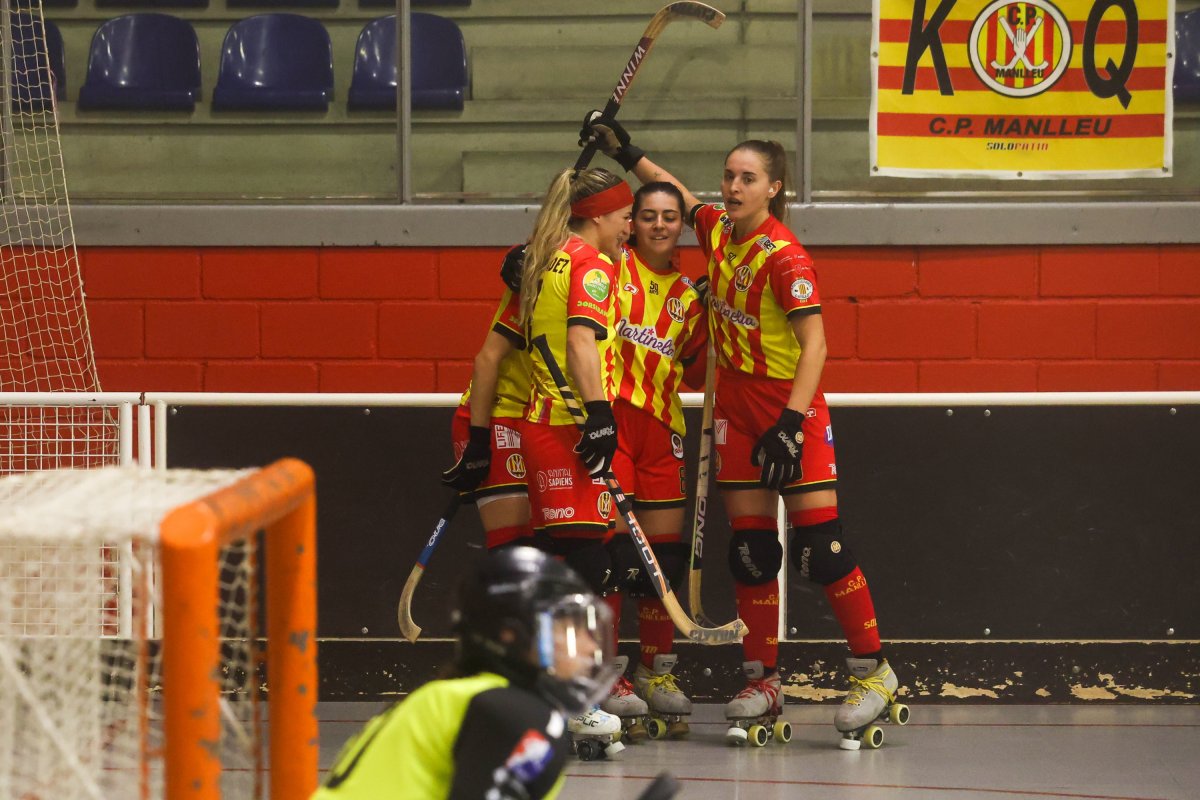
566	290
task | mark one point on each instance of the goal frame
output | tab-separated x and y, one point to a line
281	499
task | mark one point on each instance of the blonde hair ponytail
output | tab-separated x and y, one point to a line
553	226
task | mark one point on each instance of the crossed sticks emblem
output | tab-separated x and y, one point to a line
1020	40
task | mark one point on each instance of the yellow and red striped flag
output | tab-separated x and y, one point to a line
1034	89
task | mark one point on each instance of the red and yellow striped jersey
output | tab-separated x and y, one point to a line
756	286
512	383
575	290
658	321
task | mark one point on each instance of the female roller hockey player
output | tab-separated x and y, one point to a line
533	645
566	284
659	331
772	429
487	420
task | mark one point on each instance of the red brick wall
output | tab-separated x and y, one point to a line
898	319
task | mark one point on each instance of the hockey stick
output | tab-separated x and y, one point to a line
668	14
408	628
695	602
730	632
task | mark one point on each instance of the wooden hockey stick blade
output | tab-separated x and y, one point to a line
731	632
695	597
672	11
408	628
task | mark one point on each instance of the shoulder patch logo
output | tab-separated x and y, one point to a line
767	244
530	757
596	284
802	289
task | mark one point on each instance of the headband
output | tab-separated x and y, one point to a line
600	203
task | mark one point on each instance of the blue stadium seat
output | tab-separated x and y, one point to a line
275	62
1187	55
34	46
143	61
439	59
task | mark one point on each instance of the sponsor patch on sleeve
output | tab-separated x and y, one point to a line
596	284
802	289
530	757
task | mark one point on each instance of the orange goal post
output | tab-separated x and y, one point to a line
144	616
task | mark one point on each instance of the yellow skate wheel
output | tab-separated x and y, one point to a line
656	728
873	737
757	735
782	731
898	713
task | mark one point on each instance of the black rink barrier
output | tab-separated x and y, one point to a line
1014	553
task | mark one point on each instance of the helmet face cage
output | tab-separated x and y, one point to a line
574	648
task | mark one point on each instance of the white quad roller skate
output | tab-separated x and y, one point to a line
669	706
623	703
871	699
754	714
594	735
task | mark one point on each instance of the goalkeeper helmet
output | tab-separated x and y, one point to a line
530	618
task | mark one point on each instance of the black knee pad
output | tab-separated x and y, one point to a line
820	553
755	556
589	558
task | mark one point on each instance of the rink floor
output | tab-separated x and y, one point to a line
1114	752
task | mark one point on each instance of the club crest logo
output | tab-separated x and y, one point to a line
743	276
675	308
604	504
1020	49
596	284
515	465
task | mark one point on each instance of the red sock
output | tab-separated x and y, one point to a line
811	516
758	606
655	629
851	602
613	601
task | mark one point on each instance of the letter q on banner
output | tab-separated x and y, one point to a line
1034	89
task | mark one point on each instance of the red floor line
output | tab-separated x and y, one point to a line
901	787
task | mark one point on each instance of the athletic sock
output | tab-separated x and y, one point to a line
758	606
851	602
613	601
655	629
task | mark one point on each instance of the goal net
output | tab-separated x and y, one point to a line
45	343
146	681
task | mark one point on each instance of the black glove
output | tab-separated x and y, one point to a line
611	138
472	467
598	442
778	451
701	287
513	266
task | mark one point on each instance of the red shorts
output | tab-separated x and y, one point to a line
564	501
507	473
649	460
745	408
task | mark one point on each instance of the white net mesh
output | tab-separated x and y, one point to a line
45	343
80	681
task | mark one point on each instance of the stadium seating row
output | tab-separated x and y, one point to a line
151	61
